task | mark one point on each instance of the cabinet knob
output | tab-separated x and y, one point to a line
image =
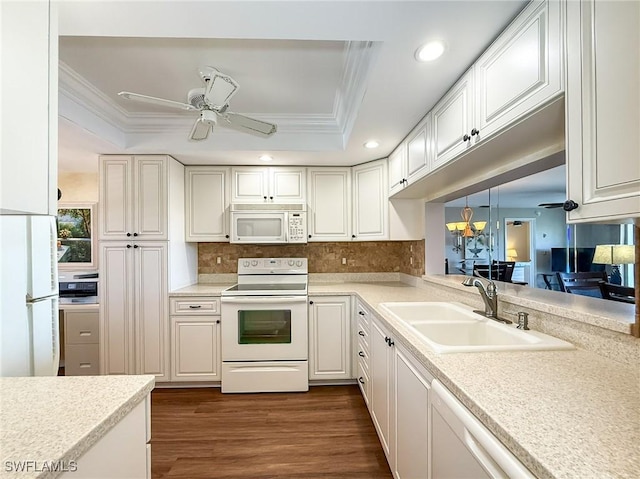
475	132
569	205
361	354
405	181
361	313
360	380
226	236
309	236
128	246
217	321
353	236
401	181
270	197
128	234
265	197
361	333
135	234
466	137
310	302
135	246
391	343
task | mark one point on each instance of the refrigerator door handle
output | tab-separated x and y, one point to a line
31	300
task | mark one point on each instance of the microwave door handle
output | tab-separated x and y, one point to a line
264	299
286	226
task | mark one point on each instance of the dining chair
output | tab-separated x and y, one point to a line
615	292
575	280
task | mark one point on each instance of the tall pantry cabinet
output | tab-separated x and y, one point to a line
143	255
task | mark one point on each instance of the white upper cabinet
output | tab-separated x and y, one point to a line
419	151
329	214
397	169
370	201
134	197
603	110
207	203
521	70
29	65
452	121
268	185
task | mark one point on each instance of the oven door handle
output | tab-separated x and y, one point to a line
263	299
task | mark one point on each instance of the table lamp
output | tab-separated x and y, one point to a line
615	255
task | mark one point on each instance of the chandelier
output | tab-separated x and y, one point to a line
465	228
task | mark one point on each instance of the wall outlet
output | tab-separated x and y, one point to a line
411	260
218	260
344	260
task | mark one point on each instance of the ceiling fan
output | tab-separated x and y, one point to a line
212	102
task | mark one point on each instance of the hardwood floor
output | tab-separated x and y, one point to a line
325	433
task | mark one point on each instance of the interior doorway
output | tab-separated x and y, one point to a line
520	246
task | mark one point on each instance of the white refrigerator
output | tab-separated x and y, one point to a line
29	335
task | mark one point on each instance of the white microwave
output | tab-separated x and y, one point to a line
268	223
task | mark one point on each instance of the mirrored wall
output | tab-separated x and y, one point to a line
517	232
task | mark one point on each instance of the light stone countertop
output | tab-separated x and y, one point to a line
59	418
201	289
564	414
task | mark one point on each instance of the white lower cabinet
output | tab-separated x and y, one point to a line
195	340
381	370
410	424
330	337
123	453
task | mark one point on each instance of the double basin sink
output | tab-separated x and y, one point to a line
455	328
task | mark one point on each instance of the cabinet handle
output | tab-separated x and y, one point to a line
360	380
391	343
475	132
85	365
401	181
136	246
466	137
310	302
128	246
195	306
361	313
569	205
135	234
353	236
405	181
128	234
361	333
361	354
387	339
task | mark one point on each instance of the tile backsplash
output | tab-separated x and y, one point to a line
361	257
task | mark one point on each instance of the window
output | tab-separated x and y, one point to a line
76	239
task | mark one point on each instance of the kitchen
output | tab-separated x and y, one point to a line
591	325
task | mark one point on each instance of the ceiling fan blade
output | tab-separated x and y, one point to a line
200	130
249	125
156	101
550	205
220	89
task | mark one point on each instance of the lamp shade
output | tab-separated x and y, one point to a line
614	254
451	227
512	253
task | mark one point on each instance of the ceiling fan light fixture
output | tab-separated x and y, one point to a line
220	89
430	51
371	144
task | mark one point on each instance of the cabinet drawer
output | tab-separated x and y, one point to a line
82	360
195	306
363	382
81	327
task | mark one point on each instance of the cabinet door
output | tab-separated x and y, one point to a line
249	185
522	70
151	316
329	337
418	152
116	184
195	348
602	107
117	299
150	197
370	201
381	364
397	169
452	120
29	55
411	422
329	204
287	185
207	203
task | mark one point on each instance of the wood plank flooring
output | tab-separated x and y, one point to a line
324	433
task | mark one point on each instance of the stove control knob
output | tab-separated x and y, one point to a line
245	264
298	263
291	262
254	262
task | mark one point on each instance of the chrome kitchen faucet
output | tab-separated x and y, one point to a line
489	296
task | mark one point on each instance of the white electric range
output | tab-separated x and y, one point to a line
265	327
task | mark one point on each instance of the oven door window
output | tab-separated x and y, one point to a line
264	327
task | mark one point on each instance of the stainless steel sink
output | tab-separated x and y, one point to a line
454	328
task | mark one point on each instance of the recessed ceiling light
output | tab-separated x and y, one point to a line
266	158
429	51
371	144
